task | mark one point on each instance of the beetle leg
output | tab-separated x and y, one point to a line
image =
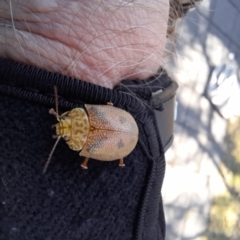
53	112
84	164
121	163
64	114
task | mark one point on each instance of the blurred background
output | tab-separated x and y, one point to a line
201	190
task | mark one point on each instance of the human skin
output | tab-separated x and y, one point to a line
99	41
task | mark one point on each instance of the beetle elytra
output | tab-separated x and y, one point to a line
101	132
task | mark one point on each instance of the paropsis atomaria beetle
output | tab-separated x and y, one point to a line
101	132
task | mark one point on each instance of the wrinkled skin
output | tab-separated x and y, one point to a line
100	41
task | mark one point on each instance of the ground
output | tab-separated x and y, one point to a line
200	190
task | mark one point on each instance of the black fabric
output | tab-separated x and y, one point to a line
160	93
145	88
105	202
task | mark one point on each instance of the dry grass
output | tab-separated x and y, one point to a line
224	219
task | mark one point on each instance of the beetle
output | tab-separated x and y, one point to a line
101	132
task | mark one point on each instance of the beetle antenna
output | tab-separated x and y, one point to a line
52	111
50	155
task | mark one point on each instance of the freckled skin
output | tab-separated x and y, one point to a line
101	41
104	132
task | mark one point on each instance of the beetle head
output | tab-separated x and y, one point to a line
63	129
